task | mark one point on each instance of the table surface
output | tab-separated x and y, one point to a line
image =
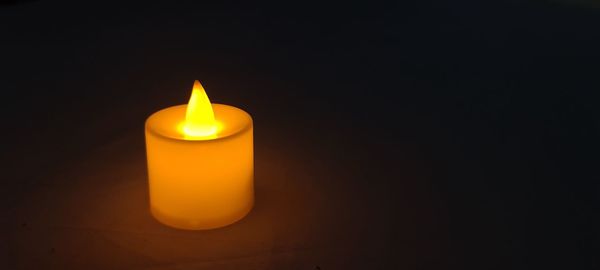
451	135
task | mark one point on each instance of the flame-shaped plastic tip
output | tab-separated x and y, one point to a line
199	117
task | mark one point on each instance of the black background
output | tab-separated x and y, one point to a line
437	134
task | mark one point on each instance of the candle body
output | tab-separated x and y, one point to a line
200	184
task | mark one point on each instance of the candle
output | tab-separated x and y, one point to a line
200	163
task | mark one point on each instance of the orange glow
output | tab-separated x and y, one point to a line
200	182
199	116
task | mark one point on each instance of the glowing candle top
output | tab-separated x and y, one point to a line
199	120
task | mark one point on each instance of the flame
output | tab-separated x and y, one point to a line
199	116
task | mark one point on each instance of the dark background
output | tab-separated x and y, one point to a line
416	135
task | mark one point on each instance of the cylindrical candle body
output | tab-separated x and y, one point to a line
200	184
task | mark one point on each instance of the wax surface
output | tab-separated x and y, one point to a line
200	183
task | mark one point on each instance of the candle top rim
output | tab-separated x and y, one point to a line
223	113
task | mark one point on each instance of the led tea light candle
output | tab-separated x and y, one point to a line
200	163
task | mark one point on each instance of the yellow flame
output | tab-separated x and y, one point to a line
199	116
